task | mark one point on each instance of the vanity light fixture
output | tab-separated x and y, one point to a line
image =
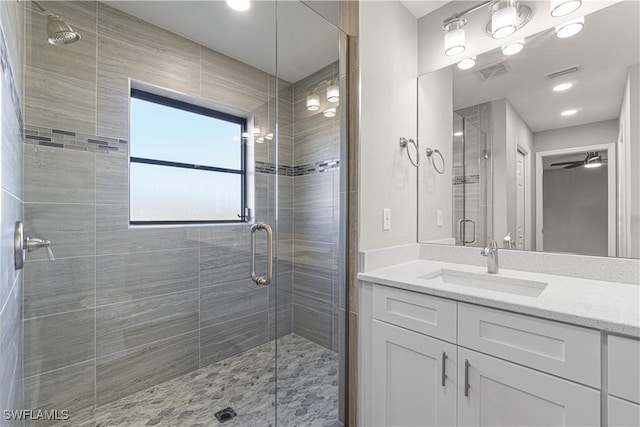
513	47
467	63
570	28
245	134
564	7
313	100
255	131
260	139
330	112
567	113
458	134
454	37
269	136
239	5
504	18
333	91
562	87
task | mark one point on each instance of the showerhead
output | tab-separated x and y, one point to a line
59	32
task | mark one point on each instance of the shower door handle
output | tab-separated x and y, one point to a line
261	281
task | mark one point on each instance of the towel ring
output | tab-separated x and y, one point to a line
430	155
404	143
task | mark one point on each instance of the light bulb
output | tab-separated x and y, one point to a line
503	22
513	47
570	28
467	63
239	5
313	101
454	37
564	7
333	92
330	112
562	87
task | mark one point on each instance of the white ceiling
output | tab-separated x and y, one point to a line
306	42
608	45
420	8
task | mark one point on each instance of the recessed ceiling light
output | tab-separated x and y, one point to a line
562	87
570	28
467	63
564	7
568	113
513	47
457	134
239	5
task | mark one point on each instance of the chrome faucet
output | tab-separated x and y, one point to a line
491	252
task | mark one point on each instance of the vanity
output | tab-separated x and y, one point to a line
448	344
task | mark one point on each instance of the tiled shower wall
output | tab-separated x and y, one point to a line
316	213
124	308
11	200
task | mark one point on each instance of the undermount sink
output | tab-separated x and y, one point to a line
487	281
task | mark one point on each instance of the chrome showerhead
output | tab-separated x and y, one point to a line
59	32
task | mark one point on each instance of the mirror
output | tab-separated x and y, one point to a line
537	150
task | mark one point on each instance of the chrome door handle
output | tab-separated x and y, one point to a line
466	378
461	225
261	281
444	368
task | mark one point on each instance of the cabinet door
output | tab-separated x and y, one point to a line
622	413
501	393
407	378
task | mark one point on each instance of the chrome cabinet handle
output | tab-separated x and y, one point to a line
261	281
466	378
444	368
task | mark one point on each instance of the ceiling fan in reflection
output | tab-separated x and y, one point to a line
592	160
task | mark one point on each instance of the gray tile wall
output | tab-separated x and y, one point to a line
123	308
11	201
316	214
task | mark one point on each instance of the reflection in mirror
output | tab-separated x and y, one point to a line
543	142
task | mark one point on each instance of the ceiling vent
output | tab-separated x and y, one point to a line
563	72
492	71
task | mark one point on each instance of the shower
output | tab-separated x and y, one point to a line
58	32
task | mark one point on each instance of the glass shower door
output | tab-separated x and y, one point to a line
470	187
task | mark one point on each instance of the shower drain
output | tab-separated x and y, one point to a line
225	414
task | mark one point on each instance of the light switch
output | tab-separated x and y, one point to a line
386	219
439	218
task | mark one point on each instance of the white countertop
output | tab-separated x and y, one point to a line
609	306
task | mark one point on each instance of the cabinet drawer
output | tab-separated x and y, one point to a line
621	413
624	367
415	311
567	351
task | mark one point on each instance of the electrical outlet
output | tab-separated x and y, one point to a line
386	219
439	219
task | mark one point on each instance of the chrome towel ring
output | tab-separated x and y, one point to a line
404	142
430	153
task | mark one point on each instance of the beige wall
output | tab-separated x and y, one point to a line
388	60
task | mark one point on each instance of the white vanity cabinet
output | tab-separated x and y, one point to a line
493	392
500	368
623	401
413	378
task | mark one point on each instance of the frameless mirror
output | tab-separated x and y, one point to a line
537	150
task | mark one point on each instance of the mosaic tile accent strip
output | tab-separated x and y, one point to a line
307	169
469	179
307	396
7	72
60	138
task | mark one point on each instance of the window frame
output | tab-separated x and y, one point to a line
196	109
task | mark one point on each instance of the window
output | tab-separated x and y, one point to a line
187	163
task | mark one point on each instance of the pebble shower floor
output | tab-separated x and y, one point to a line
308	392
